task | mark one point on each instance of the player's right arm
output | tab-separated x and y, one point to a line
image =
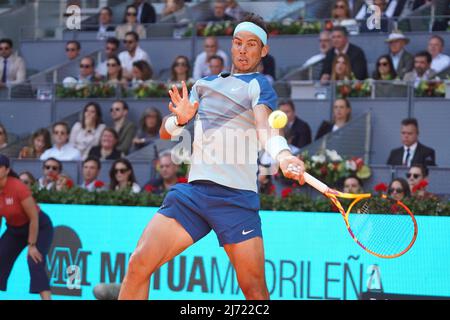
183	110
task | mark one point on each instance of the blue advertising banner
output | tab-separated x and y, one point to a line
308	256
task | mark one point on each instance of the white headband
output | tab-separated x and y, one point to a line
253	28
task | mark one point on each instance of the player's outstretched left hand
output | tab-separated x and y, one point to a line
293	168
184	110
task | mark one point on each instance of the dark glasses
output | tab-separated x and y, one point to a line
122	170
85	66
53	168
4	48
180	64
115	109
414	175
131	14
397	190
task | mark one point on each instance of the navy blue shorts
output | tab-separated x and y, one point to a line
200	206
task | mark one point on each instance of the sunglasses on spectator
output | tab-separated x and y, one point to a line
53	168
116	109
414	175
121	170
4	48
59	132
182	64
85	66
131	13
397	190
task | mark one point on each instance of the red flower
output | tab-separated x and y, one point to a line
421	185
286	192
328	25
324	170
381	187
272	189
182	180
69	184
99	184
359	162
149	188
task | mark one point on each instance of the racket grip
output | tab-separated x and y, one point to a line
315	183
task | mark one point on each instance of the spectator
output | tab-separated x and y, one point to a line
132	53
148	133
384	22
142	72
114	74
342	112
62	150
104	27
85	134
422	69
219	14
324	47
285	8
12	67
73	49
87	71
211	48
3	137
342	17
440	61
384	69
63	183
341	44
27	178
234	10
111	50
403	60
180	70
297	132
342	68
399	189
216	65
353	184
122	176
91	171
123	126
145	11
417	179
173	6
40	141
412	150
51	169
168	175
107	150
130	24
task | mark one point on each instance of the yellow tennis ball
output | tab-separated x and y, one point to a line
278	119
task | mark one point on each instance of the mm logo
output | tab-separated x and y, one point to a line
67	264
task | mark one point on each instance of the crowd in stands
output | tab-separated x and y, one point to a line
90	140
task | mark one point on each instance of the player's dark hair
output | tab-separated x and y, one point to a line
289	102
256	19
425	54
411	121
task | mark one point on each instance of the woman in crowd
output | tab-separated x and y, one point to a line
150	123
384	69
27	178
417	179
85	134
342	68
341	15
399	189
122	176
130	24
39	142
180	70
141	72
107	149
26	227
3	137
114	74
342	112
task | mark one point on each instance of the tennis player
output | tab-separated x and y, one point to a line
221	195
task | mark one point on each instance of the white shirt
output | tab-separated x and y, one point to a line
15	69
201	66
127	60
66	153
412	150
135	188
440	62
83	139
91	186
102	69
41	185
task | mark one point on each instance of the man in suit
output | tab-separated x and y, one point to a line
341	44
422	69
145	11
412	151
403	60
297	131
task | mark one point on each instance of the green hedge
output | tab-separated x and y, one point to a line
293	202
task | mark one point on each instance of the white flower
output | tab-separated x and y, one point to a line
318	158
333	155
350	165
69	82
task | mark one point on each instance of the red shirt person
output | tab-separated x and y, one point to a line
26	225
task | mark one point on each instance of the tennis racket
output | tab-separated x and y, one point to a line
384	227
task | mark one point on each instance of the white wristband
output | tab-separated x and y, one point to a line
172	127
275	145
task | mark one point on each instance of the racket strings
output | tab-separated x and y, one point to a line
381	226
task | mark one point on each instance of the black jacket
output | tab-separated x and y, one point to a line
324	128
424	155
299	134
357	59
148	14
